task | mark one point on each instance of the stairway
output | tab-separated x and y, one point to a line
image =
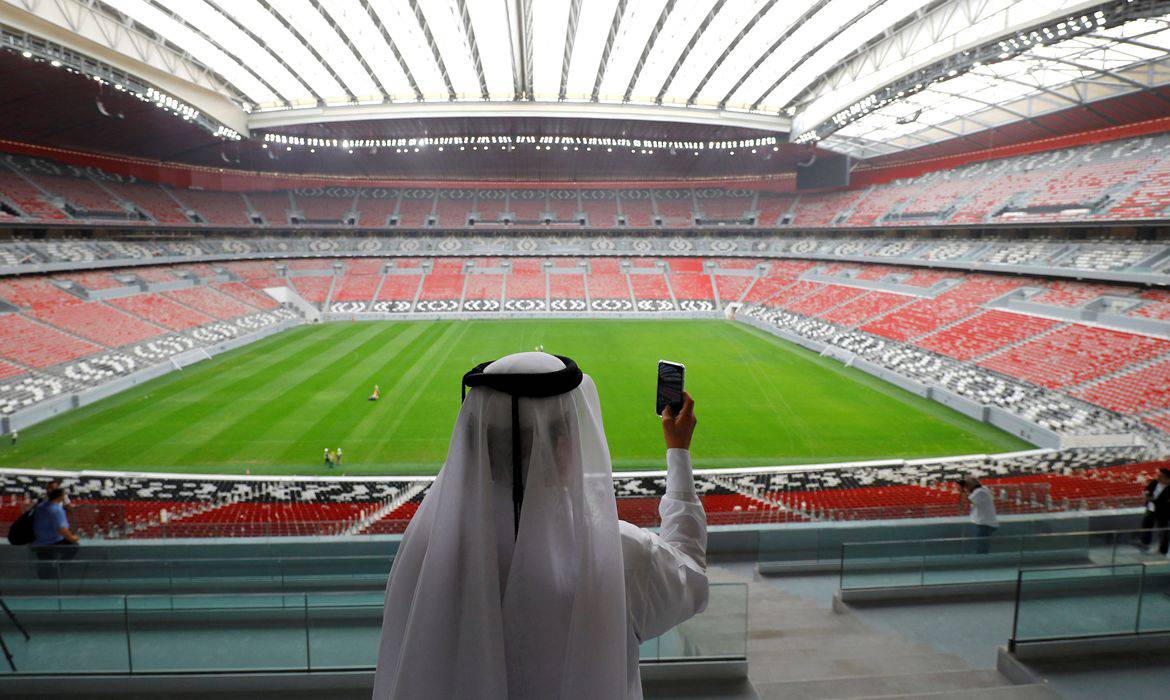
385	509
797	650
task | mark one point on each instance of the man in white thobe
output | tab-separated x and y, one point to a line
515	579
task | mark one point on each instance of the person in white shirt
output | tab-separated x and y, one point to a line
1157	515
982	512
515	578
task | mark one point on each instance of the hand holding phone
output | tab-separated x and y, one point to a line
670	386
677	428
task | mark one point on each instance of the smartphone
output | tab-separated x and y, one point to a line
670	386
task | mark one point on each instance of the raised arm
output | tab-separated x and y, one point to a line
666	573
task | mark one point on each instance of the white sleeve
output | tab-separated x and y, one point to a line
666	573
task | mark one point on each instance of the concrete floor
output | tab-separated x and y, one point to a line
798	648
970	629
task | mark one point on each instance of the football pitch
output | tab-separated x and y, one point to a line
274	406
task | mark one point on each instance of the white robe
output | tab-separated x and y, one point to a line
480	605
666	579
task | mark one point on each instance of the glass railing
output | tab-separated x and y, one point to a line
215	632
1076	602
968	560
279	574
798	546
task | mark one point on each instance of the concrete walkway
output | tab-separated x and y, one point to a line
797	651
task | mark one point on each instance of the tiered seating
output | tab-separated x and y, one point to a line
1147	201
360	281
323	208
1075	354
414	212
606	281
272	206
97	322
1064	293
872	503
877	203
939	195
37	345
1155	306
599	212
564	210
452	212
32	291
638	212
395	522
216	208
484	286
315	290
676	212
793	293
990	193
1105	257
8	369
211	302
162	311
1140	473
84	195
824	209
738	509
151	200
929	315
767	287
726	208
732	287
1083	186
772	207
445	281
317	265
1147	389
984	333
1160	420
375	212
399	288
524	208
27	198
685	285
1064	487
1021	253
569	286
526	284
651	286
92	280
1119	180
247	294
823	299
250	519
864	307
252	269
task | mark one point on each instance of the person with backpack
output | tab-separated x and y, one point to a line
52	538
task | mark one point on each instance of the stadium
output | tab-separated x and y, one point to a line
902	247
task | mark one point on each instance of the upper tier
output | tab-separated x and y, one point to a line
1108	182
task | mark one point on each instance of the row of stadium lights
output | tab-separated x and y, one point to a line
510	143
1008	48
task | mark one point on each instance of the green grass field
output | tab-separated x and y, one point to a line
273	406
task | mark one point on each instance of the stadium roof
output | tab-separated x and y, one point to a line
866	77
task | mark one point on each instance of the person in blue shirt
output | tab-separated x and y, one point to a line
52	538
